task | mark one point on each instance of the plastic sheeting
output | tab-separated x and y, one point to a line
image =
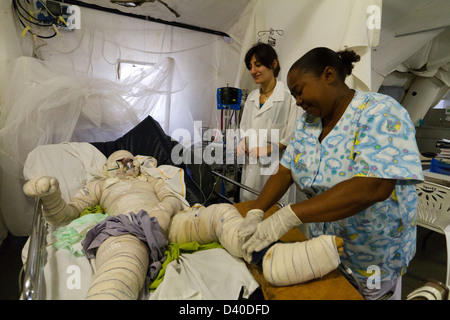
47	105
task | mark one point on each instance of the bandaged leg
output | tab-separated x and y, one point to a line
291	263
122	264
218	222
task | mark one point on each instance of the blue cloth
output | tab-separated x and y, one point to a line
257	256
138	224
374	138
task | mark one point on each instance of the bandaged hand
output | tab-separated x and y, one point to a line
248	228
271	230
41	187
55	211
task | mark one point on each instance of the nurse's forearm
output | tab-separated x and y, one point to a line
344	199
281	146
275	187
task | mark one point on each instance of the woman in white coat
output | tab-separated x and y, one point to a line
269	108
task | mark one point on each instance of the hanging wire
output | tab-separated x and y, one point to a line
27	19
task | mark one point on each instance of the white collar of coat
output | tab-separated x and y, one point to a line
277	95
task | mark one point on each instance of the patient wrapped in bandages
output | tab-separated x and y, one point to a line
149	216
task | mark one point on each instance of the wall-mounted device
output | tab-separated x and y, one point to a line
63	16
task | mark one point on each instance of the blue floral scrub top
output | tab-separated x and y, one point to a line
374	138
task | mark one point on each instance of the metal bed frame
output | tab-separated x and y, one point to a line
36	257
32	281
240	185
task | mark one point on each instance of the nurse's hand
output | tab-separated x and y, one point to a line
248	228
241	148
272	229
260	151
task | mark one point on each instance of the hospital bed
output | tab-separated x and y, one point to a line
41	264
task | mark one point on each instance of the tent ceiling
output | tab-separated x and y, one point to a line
407	26
414	37
216	15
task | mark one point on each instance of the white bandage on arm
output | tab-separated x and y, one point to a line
122	264
291	263
55	210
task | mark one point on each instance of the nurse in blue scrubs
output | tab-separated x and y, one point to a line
355	155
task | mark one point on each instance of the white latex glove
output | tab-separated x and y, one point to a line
248	228
272	229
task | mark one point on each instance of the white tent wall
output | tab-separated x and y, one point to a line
104	38
10	49
308	24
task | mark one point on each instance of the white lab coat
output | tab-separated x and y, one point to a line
278	112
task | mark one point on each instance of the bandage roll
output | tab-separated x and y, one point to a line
286	264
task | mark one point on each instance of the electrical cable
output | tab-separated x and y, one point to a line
25	10
23	20
30	15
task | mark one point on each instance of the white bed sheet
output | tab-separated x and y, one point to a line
195	277
192	277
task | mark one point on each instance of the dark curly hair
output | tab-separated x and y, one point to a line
265	54
317	59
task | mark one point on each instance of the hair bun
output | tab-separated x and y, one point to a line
348	57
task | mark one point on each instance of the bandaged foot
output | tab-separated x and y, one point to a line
292	263
122	264
55	210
